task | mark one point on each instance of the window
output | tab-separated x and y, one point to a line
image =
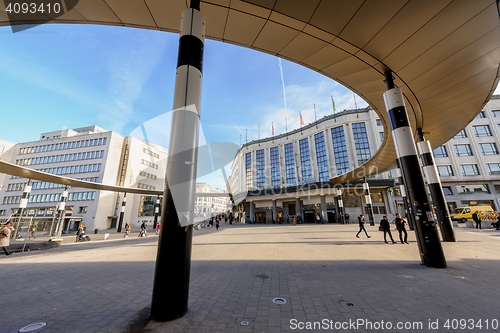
445	170
482	130
275	167
496	113
481	115
493	168
379	122
469	170
463	150
290	164
260	166
319	140
381	136
472	188
340	150
447	190
305	161
361	142
248	169
488	148
440	152
461	134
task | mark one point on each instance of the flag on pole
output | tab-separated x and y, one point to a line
301	119
334	106
272	125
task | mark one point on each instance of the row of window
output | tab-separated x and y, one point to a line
145	186
149	164
51	197
63	145
150	152
73	169
482	114
61	158
361	146
465	150
468	169
467	189
479	131
147	175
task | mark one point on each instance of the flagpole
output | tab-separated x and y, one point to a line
247	135
258	129
315	118
333	105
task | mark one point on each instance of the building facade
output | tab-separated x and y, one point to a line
208	202
288	175
91	154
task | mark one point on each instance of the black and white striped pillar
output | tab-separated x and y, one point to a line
61	211
340	205
173	261
437	194
157	211
122	213
431	252
368	201
22	206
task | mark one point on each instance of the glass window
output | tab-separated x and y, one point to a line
472	188
319	140
481	115
275	167
447	190
361	142
469	169
461	134
260	168
488	148
493	168
463	150
340	150
440	152
248	169
290	164
496	113
445	170
305	161
381	136
379	122
482	130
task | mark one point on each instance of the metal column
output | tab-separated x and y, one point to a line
122	213
437	194
368	200
173	261
431	252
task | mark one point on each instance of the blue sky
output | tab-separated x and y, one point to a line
58	76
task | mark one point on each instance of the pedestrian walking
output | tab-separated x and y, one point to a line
346	217
400	226
128	228
477	218
144	232
361	221
158	228
386	228
217	224
5	237
31	234
294	221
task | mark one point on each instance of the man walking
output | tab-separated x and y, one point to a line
477	218
361	221
400	226
386	228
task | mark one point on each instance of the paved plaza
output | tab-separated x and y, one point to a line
325	279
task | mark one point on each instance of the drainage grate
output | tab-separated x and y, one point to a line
32	327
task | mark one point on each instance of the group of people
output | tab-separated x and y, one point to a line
217	222
386	228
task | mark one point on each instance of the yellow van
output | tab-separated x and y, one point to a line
462	214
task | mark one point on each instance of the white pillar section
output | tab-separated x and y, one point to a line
183	149
324	213
24	200
275	212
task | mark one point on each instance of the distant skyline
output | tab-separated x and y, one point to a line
59	76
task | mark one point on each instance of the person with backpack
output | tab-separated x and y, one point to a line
400	226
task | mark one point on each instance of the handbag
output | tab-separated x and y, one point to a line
380	228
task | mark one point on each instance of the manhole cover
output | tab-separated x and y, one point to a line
32	327
244	323
279	301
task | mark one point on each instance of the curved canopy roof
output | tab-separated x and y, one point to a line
444	54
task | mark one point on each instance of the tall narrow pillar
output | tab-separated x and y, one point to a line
61	211
409	212
324	213
437	194
298	209
173	261
157	211
431	252
368	201
340	205
252	212
275	212
122	213
22	206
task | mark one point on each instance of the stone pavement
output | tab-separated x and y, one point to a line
327	276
